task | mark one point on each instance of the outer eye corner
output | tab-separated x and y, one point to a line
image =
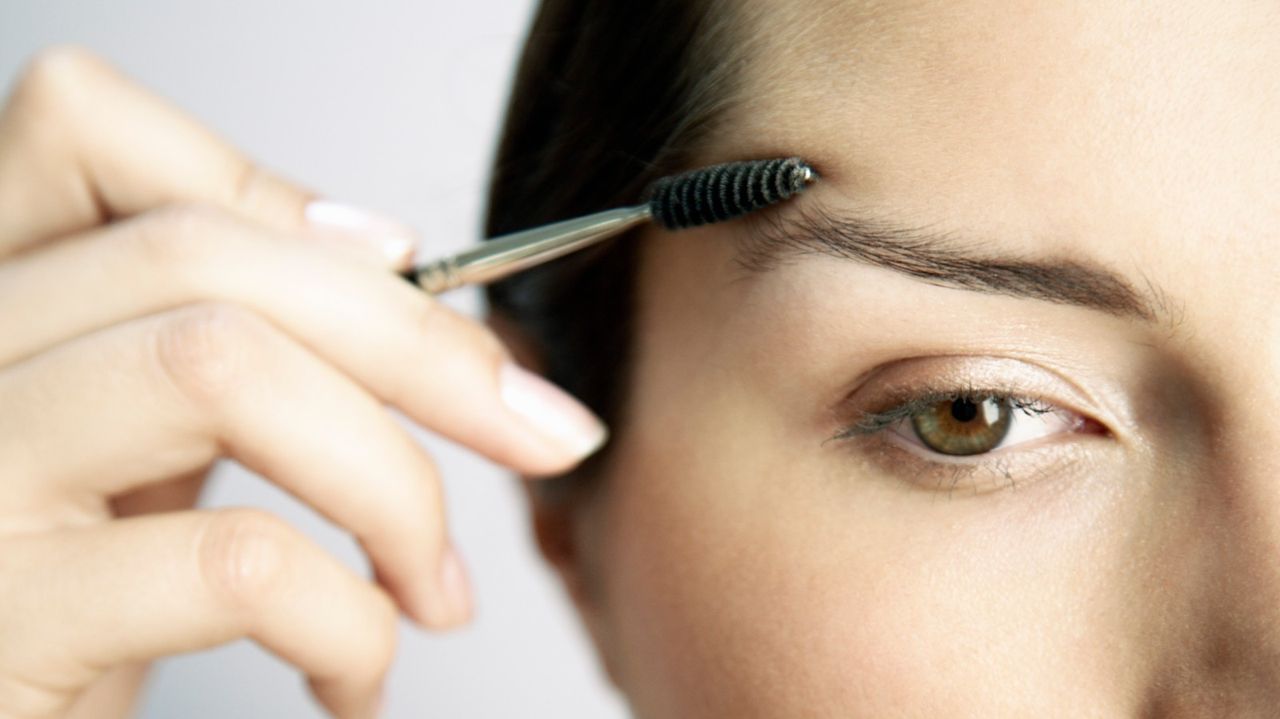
1091	426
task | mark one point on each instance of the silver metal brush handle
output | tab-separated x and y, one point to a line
506	255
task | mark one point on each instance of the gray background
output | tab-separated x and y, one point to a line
395	105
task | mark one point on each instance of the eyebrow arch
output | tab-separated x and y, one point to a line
938	258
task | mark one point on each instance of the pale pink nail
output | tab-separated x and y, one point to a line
394	240
551	411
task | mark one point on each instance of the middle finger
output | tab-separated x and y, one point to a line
442	369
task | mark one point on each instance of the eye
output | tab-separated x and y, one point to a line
959	424
973	423
957	439
969	425
968	421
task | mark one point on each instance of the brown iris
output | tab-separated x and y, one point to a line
965	425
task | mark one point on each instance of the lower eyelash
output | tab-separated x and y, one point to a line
1000	471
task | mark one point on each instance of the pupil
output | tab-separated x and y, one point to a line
963	410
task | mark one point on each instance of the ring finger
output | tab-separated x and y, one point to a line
162	395
157	585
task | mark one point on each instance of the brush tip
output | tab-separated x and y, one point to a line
724	192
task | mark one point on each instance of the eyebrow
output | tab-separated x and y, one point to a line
939	258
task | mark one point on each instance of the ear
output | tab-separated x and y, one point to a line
558	527
556	516
562	526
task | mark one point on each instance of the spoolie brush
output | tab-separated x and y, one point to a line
723	192
699	197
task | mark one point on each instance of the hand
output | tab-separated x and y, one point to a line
163	303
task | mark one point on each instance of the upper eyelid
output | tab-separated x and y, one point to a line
993	372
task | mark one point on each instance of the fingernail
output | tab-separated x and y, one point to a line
394	240
455	586
554	413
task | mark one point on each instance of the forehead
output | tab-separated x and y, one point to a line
1123	108
986	69
1141	134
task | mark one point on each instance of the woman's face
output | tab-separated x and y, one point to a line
1068	213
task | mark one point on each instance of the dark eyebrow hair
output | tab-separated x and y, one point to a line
940	259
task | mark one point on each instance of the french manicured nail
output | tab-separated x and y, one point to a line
455	587
394	240
554	413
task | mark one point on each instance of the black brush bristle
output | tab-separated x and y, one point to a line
723	192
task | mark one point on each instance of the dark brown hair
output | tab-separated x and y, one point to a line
608	97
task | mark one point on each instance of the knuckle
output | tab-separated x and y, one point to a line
175	236
381	637
434	320
209	350
244	555
21	697
56	77
250	186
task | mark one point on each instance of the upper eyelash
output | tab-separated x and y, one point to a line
872	422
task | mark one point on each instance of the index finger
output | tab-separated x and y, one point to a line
80	145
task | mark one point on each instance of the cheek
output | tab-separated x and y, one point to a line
744	581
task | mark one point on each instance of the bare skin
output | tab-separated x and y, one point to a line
1126	565
166	303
